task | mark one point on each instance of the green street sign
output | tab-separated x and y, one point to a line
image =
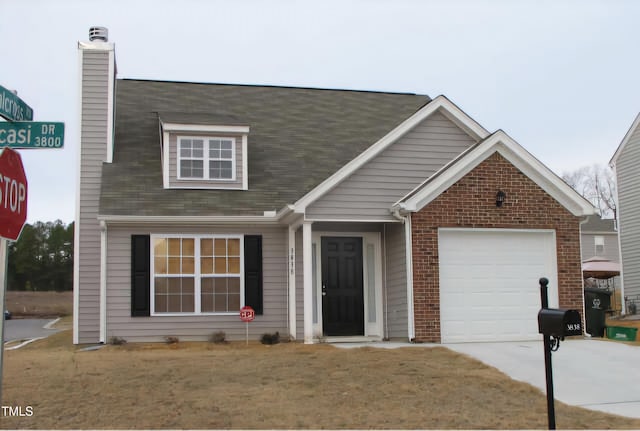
13	108
31	134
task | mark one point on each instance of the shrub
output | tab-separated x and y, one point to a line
270	338
171	340
218	337
117	341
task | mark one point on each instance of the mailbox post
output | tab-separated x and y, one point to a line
554	324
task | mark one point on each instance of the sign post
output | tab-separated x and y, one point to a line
247	315
13	214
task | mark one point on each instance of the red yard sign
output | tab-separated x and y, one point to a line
247	314
13	194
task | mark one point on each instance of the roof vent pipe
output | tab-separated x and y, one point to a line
99	33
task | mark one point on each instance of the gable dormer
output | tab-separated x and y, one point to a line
203	151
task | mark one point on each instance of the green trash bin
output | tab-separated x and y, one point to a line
596	303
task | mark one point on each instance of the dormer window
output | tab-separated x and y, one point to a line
206	158
204	151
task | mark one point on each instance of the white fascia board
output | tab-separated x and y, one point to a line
245	163
204	128
111	105
440	103
509	149
626	138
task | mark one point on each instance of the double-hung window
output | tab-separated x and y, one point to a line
206	158
197	274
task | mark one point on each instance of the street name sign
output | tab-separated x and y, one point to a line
31	134
13	194
13	108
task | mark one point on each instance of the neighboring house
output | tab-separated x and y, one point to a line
599	238
336	215
626	165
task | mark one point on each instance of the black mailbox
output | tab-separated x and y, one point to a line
559	323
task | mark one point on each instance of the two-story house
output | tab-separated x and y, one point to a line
337	215
626	164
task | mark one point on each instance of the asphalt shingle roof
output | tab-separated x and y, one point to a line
298	138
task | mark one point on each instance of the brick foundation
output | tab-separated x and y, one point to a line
471	203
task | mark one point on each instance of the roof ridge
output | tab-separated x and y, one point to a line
290	87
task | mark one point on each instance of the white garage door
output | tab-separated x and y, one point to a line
489	287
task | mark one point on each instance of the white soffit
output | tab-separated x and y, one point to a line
503	144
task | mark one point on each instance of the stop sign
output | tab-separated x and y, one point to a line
13	194
247	314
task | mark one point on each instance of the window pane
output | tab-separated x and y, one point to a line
221	265
233	247
174	265
160	286
206	285
188	247
226	173
188	303
160	265
198	148
174	303
174	246
175	287
214	144
160	303
188	265
234	265
233	284
206	247
160	247
206	303
226	145
220	286
220	247
214	153
188	285
220	303
206	265
225	154
233	302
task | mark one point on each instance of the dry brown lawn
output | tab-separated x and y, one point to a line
202	385
39	304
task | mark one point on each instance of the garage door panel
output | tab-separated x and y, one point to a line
489	283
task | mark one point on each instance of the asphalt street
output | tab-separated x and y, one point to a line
25	329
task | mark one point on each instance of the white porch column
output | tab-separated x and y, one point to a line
307	250
292	282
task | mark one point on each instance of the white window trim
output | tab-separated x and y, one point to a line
197	274
206	159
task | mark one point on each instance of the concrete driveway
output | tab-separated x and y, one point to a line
591	373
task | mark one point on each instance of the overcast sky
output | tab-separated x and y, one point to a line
560	77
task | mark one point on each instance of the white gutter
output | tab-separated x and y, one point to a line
406	219
103	282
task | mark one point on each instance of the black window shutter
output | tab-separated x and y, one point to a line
140	275
253	272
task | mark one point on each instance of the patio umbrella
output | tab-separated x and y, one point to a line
600	267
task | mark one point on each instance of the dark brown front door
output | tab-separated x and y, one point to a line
342	294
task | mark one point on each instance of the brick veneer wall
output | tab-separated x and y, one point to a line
471	203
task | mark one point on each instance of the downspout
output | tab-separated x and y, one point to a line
406	220
103	282
619	230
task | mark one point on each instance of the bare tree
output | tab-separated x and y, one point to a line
597	184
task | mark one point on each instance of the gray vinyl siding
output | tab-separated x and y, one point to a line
627	170
396	281
211	184
369	192
93	152
196	328
611	249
